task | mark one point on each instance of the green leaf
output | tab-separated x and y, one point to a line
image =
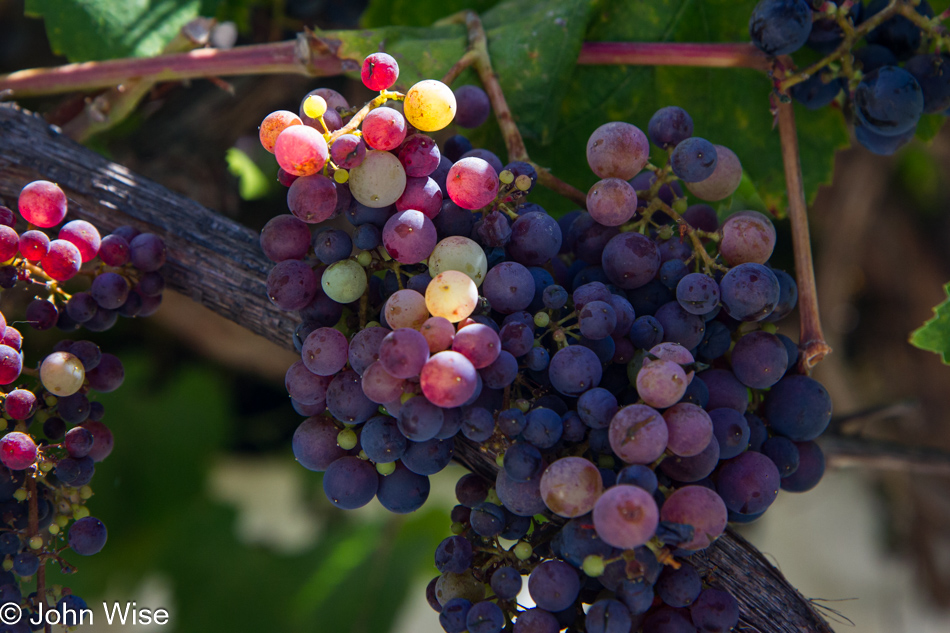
252	183
86	30
929	125
417	12
533	47
934	335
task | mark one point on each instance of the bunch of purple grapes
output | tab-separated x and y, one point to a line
621	364
895	78
53	434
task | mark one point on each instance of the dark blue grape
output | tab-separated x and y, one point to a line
748	483
798	407
780	27
429	457
889	101
87	536
485	617
872	57
679	587
901	36
454	554
815	93
647	299
26	564
636	594
638	475
672	271
608	616
811	468
478	424
759	359
554	585
715	611
731	430
932	72
350	483
787	297
75	472
488	519
596	407
506	583
679	326
716	342
878	143
455	146
9	544
694	159
454	614
783	452
646	332
758	433
367	237
402	491
749	292
670	126
382	441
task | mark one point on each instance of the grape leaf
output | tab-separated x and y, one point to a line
86	30
934	335
417	12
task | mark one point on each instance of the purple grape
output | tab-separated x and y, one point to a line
714	611
661	383
509	287
783	453
679	587
429	457
520	498
731	430
478	425
597	407
798	407
473	106
314	443
421	194
690	429
419	420
697	293
348	151
350	483
536	621
625	516
535	239
574	370
702	217
291	285
402	491
749	292
612	201
759	360
630	260
364	348
87	536
147	252
283	237
554	585
695	468
748	483
680	326
670	126
747	236
501	373
700	508
419	155
110	290
346	400
382	440
638	434
811	468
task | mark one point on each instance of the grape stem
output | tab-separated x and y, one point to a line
811	340
478	58
721	55
34	528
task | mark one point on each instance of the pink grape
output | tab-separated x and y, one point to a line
42	203
379	71
612	201
625	516
62	261
724	180
617	150
448	379
638	434
325	351
571	486
384	128
472	183
273	124
406	308
115	250
747	236
301	150
439	333
11	364
312	198
285	237
364	348
305	386
409	236
380	386
34	245
83	236
690	429
478	343
420	156
404	352
699	507
661	383
422	194
17	450
348	151
9	243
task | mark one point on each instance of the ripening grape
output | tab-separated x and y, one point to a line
17	450
724	180
301	150
379	71
472	183
448	379
63	260
452	295
275	123
625	516
700	508
612	201
430	105
83	236
638	434
409	236
384	128
42	203
62	374
571	486
405	308
312	199
747	236
344	281
617	150
379	180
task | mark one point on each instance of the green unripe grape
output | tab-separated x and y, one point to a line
341	176
81	512
379	180
541	319
523	550
457	528
386	469
50	400
500	460
62	520
492	497
523	182
7	564
20	494
680	205
364	259
665	233
344	281
372	324
404	398
593	566
36	542
346	439
522	405
4	423
46	466
41	416
54	529
85	492
506	177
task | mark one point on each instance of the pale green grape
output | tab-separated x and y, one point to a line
461	254
379	180
344	281
62	374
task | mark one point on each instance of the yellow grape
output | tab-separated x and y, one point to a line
406	308
429	105
314	106
451	295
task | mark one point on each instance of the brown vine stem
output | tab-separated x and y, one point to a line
844	452
34	529
811	340
478	58
309	54
723	55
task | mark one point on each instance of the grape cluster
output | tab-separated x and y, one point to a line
53	433
898	74
621	363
